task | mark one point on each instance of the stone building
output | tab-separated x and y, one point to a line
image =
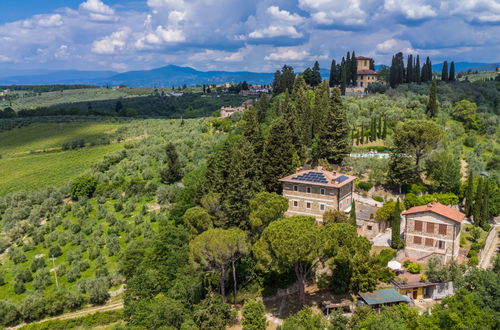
368	226
312	192
366	74
432	229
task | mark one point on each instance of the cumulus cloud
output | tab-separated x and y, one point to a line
411	9
51	21
98	11
287	55
336	12
111	44
252	35
276	31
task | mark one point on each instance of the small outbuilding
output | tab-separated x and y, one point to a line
382	297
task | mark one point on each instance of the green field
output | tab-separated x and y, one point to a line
31	100
37	171
49	136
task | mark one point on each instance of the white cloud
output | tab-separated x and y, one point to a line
4	58
111	44
411	9
62	52
97	6
482	11
50	21
329	12
287	55
284	15
276	31
98	11
392	46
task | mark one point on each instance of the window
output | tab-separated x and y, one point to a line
430	227
369	227
441	245
308	190
308	205
322	191
429	242
321	207
361	84
442	229
417	240
295	188
418	225
295	203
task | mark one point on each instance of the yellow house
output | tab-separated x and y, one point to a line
366	75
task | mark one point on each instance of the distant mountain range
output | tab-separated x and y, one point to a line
167	76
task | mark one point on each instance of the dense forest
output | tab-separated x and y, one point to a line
189	216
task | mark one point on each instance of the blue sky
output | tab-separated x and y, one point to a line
255	35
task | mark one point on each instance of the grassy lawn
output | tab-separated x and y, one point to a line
47	136
36	171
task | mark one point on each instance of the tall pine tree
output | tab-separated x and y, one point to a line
396	226
334	140
444	71
452	72
278	155
432	107
469	195
417	77
334	79
316	75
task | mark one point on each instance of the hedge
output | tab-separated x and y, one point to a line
87	321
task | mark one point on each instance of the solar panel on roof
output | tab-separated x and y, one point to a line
316	177
341	178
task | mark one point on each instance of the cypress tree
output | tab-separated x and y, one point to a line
384	131
334	142
396	226
476	208
469	195
379	130
343	76
374	130
432	107
354	69
357	137
362	133
316	75
485	211
409	69
392	73
417	77
352	213
372	64
278	154
452	72
444	71
171	173
333	75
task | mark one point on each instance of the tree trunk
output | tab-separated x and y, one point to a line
234	282
222	280
301	279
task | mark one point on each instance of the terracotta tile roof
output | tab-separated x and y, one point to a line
320	177
361	72
363	58
437	208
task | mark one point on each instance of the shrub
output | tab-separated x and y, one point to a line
385	256
254	317
378	198
413	268
9	314
462	241
84	322
83	186
19	287
473	261
363	185
386	275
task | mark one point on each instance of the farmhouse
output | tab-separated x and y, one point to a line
432	229
314	191
368	226
366	73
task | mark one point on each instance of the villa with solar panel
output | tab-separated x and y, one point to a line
312	192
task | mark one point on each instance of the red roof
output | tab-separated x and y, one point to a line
362	72
437	208
362	58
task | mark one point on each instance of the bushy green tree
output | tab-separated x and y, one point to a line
254	315
197	220
265	208
216	250
304	319
294	242
83	186
212	313
172	171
